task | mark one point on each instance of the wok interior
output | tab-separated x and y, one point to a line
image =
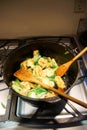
52	50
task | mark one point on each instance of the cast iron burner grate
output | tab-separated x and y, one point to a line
55	117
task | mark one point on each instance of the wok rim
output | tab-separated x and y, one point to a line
48	100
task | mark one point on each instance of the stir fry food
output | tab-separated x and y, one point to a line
43	69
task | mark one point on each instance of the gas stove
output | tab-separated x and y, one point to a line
15	111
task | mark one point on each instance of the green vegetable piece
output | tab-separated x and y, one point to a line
3	105
51	78
40	90
54	63
67	52
8	97
36	58
17	80
16	85
37	92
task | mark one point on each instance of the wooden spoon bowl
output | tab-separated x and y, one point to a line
62	69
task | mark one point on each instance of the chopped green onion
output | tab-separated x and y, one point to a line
8	97
3	105
67	52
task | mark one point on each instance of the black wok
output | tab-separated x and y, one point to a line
49	48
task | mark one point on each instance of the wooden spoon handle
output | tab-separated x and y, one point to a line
70	98
79	54
59	92
27	76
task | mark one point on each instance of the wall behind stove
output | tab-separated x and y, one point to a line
38	17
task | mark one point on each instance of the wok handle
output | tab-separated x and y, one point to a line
59	92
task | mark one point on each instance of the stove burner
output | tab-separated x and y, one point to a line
45	112
55	116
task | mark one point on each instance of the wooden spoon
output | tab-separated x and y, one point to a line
26	75
62	69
